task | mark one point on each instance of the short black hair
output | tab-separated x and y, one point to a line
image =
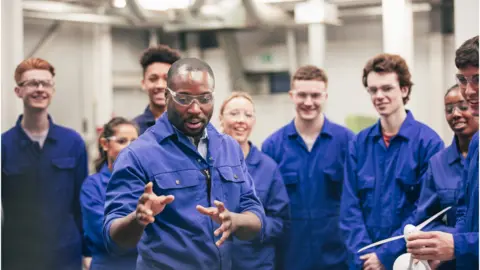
453	87
467	55
189	65
158	54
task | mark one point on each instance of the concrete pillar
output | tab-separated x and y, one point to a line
193	45
103	92
440	62
397	18
317	44
292	51
466	20
11	55
97	78
152	38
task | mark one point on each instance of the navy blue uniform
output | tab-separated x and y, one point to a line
40	197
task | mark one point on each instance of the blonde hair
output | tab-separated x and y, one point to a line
235	95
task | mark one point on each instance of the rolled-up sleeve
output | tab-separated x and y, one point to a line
123	190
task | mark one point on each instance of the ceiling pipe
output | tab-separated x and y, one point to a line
267	15
196	5
54	7
138	11
78	17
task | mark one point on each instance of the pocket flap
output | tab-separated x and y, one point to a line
408	177
179	179
290	178
232	174
365	182
15	169
64	163
447	196
334	174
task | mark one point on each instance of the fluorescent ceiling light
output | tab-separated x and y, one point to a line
162	5
119	3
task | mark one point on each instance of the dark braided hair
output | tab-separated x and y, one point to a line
109	131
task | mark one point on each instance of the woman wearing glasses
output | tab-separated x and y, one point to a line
117	134
237	117
443	180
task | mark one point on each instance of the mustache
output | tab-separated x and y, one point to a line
195	118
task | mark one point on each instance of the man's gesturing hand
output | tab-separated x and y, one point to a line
149	205
222	216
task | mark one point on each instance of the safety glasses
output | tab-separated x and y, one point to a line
463	80
187	100
462	106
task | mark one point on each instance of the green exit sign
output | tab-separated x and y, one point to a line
266	58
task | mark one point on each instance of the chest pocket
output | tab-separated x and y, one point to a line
180	184
448	197
365	190
64	163
291	180
233	185
333	182
17	181
64	174
13	170
410	185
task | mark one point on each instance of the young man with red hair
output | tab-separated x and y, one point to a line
43	167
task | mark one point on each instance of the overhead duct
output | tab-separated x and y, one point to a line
137	10
226	14
78	17
54	7
267	15
196	5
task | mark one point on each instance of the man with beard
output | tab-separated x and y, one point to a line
182	189
43	168
462	244
155	62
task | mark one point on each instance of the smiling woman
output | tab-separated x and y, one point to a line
237	118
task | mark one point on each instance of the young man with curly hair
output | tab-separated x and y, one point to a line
385	166
155	62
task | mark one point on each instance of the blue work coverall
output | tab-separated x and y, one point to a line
181	237
92	197
41	199
440	189
144	120
466	235
314	182
382	186
271	190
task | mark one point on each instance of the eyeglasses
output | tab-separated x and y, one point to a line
120	140
314	96
464	80
236	114
187	100
35	84
462	107
384	89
